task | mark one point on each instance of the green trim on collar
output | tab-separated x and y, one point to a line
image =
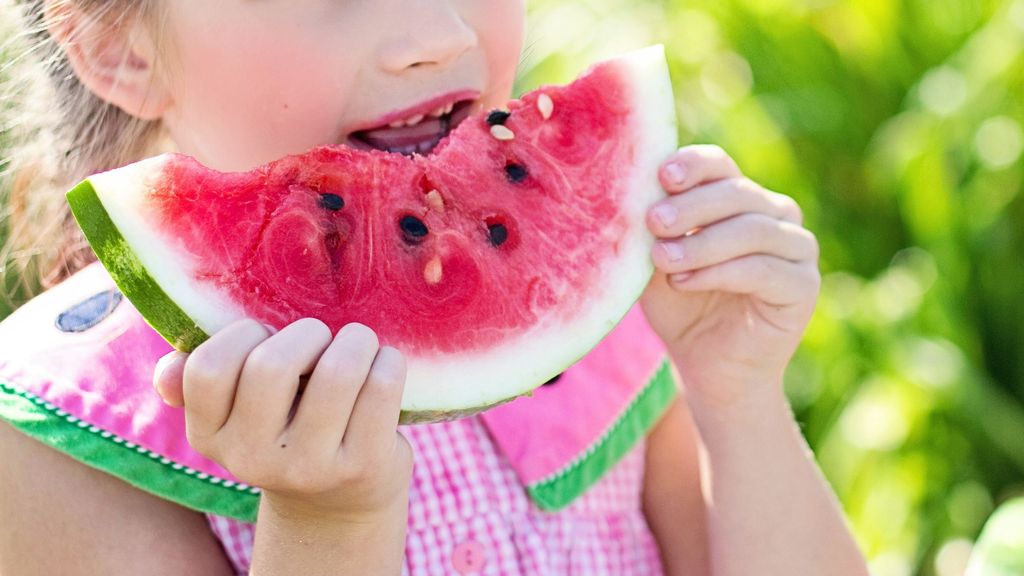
560	489
166	479
125	460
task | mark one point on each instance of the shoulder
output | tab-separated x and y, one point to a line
55	361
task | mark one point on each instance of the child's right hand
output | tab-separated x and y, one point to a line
332	450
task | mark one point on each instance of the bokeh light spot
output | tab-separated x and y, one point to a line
943	91
999	142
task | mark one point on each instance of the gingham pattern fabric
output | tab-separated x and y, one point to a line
469	514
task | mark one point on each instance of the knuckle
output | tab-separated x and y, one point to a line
712	151
694	251
701	153
747	194
263	360
796	212
814	275
358	472
815	280
201	442
250	464
201	368
405	454
248	325
337	369
789	208
748	186
764	267
814	246
762	224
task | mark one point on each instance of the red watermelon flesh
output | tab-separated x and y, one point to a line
493	263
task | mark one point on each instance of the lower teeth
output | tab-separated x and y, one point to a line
421	148
424	148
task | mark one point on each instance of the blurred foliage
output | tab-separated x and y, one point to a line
1000	550
5	34
897	124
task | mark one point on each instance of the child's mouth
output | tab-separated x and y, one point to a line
418	134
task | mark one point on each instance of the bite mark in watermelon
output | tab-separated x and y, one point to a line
493	263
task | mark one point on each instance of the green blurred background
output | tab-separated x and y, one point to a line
898	126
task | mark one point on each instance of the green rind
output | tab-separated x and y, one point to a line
129	273
433	416
136	466
560	490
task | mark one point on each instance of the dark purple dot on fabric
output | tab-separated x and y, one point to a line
89	312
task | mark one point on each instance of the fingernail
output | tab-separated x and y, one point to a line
673	250
676	173
270	329
680	277
666	214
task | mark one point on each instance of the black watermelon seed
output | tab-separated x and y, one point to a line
498	234
516	173
498	117
553	380
413	228
332	202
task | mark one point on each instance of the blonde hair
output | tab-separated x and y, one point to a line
58	133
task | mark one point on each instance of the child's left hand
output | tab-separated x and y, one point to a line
736	276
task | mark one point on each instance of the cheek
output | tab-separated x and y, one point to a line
500	27
249	93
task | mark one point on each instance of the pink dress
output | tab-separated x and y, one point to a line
549	484
469	514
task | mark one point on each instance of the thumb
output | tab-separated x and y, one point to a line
167	378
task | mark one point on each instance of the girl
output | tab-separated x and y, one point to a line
723	484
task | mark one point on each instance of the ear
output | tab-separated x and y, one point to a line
114	59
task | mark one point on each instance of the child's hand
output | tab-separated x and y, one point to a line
335	453
737	276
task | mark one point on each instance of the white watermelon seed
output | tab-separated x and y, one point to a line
502	133
432	272
435	201
545	105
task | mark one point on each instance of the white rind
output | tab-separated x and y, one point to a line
163	256
446	384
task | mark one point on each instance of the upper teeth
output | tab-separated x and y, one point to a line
446	109
414	120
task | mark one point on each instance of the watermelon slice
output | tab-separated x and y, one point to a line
493	263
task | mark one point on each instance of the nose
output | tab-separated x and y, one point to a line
433	34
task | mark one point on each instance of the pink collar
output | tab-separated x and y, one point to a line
88	393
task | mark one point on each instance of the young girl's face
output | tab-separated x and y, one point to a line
253	80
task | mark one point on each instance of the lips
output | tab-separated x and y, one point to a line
416	133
